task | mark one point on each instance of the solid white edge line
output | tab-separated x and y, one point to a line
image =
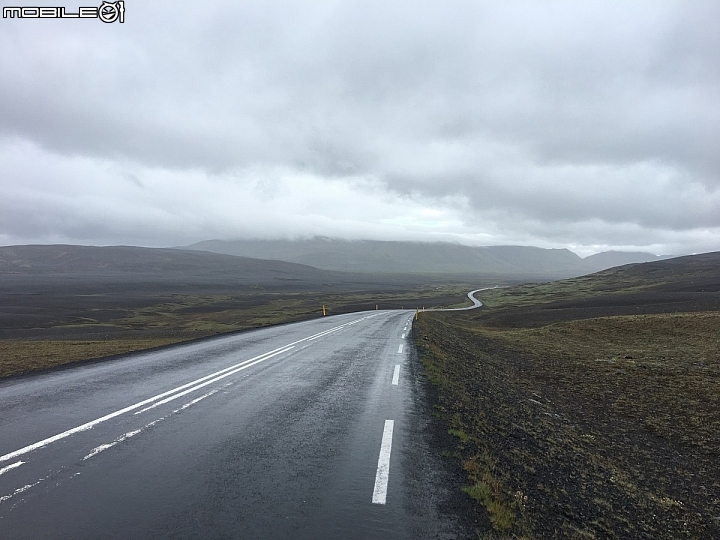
92	423
383	469
396	375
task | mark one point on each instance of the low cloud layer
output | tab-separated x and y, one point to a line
558	124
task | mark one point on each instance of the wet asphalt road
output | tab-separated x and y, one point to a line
273	433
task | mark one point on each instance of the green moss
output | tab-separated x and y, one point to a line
460	434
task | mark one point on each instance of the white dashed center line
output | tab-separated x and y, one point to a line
396	375
400	348
383	468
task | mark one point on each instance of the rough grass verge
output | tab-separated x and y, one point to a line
24	356
503	509
595	428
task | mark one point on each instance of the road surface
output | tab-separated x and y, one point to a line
306	430
471	295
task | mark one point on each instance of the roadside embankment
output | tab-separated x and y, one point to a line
605	427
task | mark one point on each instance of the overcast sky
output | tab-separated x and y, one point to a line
587	125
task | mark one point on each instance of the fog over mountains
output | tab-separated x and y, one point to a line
423	257
70	269
295	264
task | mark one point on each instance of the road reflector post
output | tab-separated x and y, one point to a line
323	310
375	307
417	313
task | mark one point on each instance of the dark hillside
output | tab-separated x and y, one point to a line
700	273
682	284
88	269
119	260
609	259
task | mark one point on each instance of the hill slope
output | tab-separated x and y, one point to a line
609	259
130	260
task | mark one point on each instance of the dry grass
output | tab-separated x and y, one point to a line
646	364
22	356
685	337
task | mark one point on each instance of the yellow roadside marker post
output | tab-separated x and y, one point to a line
417	313
323	310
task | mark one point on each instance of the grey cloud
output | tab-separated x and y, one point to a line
554	113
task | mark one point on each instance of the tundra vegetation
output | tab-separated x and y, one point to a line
589	407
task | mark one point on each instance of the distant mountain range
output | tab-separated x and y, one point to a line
372	256
304	264
38	268
164	262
